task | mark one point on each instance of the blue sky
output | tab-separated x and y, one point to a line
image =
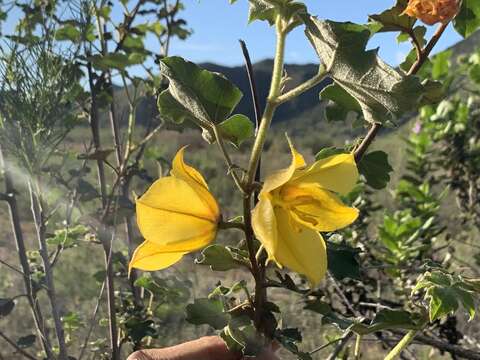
217	27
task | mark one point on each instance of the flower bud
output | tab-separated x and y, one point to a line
433	11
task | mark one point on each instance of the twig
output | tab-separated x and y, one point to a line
256	103
223	150
92	322
94	125
344	341
23	259
343	297
16	347
37	208
324	346
13	268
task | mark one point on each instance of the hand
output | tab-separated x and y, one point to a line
206	348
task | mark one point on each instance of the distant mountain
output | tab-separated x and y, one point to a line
306	106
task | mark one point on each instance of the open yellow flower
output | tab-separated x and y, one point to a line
298	202
433	11
176	215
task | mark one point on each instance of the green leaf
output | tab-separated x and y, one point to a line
68	33
376	169
342	103
26	341
434	92
391	319
441	64
475	73
318	306
384	93
393	20
237	129
268	10
218	257
468	19
6	306
207	311
199	95
109	61
342	261
329	151
443	301
446	292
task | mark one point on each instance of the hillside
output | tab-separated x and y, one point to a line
307	107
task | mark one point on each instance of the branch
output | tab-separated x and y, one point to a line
344	341
16	347
307	85
256	104
15	223
454	350
93	321
37	208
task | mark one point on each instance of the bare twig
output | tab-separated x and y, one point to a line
37	207
23	258
93	322
344	341
256	103
11	267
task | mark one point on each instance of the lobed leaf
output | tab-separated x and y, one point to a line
383	93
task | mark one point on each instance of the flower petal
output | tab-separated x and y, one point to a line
317	208
190	175
301	250
149	256
185	172
280	177
336	173
171	212
264	224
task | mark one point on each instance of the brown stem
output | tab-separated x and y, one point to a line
256	103
258	273
23	258
444	346
94	126
422	56
38	213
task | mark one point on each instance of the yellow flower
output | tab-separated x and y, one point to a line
298	202
433	11
176	215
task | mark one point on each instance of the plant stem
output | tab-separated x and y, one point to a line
23	258
37	206
307	85
272	103
402	345
345	339
358	344
231	166
94	125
